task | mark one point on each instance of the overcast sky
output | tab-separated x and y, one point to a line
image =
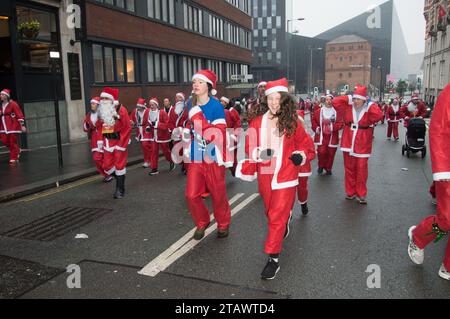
322	15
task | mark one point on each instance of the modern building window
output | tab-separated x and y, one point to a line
98	63
160	67
163	10
34	49
217	67
113	64
193	19
278	22
123	4
190	66
244	5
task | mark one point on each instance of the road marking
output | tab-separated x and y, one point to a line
187	243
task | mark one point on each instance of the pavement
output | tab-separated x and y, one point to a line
38	169
329	254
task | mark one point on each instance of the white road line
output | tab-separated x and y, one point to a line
186	243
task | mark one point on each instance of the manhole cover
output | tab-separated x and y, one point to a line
57	224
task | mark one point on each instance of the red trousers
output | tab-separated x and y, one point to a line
392	128
155	153
356	175
202	178
302	190
326	154
442	218
115	161
278	205
146	147
11	142
98	159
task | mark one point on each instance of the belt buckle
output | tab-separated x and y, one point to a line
354	127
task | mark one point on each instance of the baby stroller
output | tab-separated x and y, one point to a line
415	138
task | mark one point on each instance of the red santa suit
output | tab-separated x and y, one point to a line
428	230
12	121
114	137
393	118
90	127
278	177
158	128
409	111
178	119
326	126
139	117
305	170
357	140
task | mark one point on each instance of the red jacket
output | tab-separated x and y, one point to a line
392	115
440	137
306	170
421	111
285	173
141	134
357	137
12	118
318	122
122	126
235	119
160	131
90	126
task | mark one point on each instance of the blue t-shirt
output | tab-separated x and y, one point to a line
213	112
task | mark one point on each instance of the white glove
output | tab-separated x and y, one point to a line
318	130
186	135
176	134
100	145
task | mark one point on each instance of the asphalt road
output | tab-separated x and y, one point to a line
326	256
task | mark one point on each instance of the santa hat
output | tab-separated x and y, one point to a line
154	100
140	102
224	99
331	96
262	83
360	93
181	95
280	85
209	77
110	94
6	92
95	100
415	97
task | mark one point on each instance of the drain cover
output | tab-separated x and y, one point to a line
57	224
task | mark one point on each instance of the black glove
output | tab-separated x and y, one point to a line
266	155
297	159
148	129
333	119
153	124
88	126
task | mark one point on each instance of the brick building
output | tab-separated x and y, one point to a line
437	48
145	48
348	62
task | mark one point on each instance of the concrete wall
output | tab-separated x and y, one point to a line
40	122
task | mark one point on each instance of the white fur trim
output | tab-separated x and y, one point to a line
277	89
121	172
360	97
194	111
95	101
441	176
219	121
111	171
223	98
245	178
201	77
305	174
5	93
104	95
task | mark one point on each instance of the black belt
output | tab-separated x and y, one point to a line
358	127
112	136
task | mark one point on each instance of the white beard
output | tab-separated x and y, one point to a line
153	116
107	113
412	107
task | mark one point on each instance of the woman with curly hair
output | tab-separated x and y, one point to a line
276	147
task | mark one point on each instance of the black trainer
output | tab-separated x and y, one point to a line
271	270
223	233
305	209
153	172
329	173
172	167
320	171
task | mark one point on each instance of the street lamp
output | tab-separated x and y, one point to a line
381	78
310	80
55	57
287	43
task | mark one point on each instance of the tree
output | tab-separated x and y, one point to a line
401	87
